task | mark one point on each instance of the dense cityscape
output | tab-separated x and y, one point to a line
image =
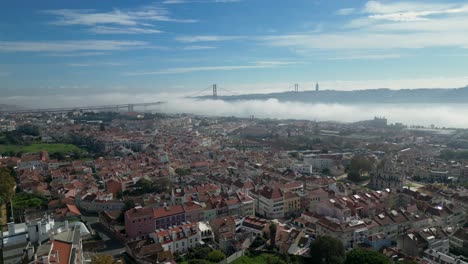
138	187
234	132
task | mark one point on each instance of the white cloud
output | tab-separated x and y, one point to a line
380	7
68	17
207	38
170	2
196	47
277	62
388	25
135	17
76	54
95	64
345	11
197	69
123	30
367	57
117	21
69	46
256	65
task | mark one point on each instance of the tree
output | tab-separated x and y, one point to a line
272	229
102	259
407	262
199	252
326	171
216	256
7	187
364	256
128	204
354	176
199	261
360	165
274	260
144	184
183	171
327	250
294	155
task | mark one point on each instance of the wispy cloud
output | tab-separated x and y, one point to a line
381	25
196	47
207	38
171	2
141	16
69	46
345	11
76	54
125	30
117	21
368	57
277	62
98	64
256	65
196	69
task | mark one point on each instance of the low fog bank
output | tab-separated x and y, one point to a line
442	115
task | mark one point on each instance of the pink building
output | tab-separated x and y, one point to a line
139	222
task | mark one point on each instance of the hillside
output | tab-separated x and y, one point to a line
458	95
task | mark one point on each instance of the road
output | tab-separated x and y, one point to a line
113	246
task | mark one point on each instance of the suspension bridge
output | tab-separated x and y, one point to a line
208	92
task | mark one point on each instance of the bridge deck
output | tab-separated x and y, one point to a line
68	109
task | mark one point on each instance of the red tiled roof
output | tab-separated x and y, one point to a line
139	212
168	211
62	251
271	193
73	209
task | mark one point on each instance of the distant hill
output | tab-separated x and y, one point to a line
456	95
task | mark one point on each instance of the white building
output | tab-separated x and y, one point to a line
434	256
317	162
302	168
270	202
39	229
178	238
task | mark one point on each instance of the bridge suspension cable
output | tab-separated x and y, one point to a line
196	93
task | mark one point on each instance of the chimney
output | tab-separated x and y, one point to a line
66	224
174	235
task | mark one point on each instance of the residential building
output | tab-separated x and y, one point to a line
63	248
139	222
178	238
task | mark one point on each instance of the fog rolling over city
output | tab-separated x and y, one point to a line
440	115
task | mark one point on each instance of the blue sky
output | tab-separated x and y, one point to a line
182	46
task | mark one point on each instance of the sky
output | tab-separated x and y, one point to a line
75	49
